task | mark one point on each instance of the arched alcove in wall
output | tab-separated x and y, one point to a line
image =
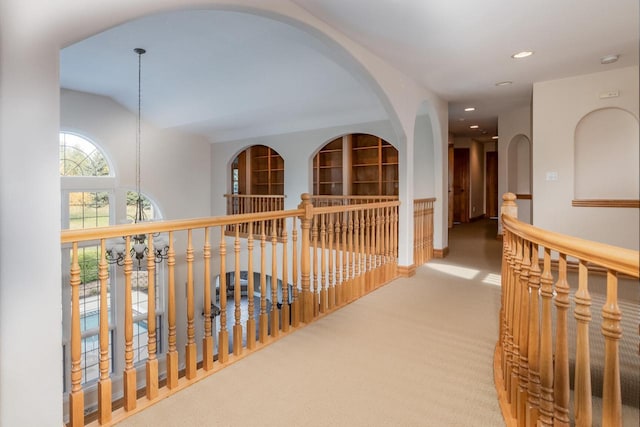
519	178
606	156
423	157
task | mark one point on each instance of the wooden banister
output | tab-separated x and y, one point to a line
335	254
534	367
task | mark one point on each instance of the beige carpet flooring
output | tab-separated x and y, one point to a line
417	352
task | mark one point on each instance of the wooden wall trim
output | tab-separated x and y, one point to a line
441	253
605	203
524	197
407	270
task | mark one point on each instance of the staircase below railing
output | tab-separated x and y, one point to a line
324	257
532	359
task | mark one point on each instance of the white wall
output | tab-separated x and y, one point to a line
175	167
512	126
558	107
423	158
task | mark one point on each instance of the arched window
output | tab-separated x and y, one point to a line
80	157
88	192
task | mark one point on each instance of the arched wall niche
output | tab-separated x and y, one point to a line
427	169
519	170
606	156
519	176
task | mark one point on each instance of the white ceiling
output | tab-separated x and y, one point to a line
229	75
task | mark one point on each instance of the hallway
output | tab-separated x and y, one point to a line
417	352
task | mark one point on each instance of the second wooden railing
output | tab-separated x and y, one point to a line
533	357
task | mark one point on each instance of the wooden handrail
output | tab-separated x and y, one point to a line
611	257
532	359
113	231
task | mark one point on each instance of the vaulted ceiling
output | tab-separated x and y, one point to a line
230	75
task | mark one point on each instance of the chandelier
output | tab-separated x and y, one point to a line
116	249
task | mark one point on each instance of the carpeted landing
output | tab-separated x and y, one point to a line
417	352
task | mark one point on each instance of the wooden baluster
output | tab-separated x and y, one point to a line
104	385
341	266
352	259
430	238
191	352
223	335
152	360
275	313
264	318
387	245
251	321
284	311
504	301
611	317
76	397
366	249
332	272
207	340
345	258
511	307
515	361
315	281
394	241
523	341
362	251
533	401
355	288
324	304
546	344
237	297
305	223
561	362
338	262
379	246
295	305
172	351
416	233
129	374
582	392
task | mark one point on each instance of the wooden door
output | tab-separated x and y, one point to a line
492	184
461	185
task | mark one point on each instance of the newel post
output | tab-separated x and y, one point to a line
305	225
509	205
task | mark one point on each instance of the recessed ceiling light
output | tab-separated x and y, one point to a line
609	59
470	109
523	54
504	83
494	137
474	126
